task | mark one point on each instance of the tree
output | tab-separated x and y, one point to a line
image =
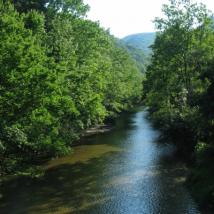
173	79
179	89
33	102
56	77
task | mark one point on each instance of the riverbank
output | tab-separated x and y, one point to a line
199	161
125	170
201	183
97	130
36	170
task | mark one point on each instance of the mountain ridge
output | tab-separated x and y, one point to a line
141	41
138	46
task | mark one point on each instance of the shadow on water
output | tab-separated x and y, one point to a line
123	171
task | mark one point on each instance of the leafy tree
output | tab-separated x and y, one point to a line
33	101
179	88
56	77
173	78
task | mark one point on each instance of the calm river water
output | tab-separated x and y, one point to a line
124	171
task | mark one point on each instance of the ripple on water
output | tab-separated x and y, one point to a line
124	171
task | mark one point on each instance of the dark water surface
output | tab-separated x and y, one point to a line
124	171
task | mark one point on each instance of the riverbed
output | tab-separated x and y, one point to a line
123	171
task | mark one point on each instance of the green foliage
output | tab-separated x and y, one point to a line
24	6
201	178
59	74
179	87
138	45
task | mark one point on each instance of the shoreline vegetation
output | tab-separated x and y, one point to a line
39	169
61	74
179	90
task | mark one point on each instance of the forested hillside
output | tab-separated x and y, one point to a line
60	74
179	89
139	47
141	60
141	41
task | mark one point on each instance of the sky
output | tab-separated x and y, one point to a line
125	17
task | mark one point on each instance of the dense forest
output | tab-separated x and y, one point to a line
60	74
179	89
139	47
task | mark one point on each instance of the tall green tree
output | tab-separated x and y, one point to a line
179	88
33	101
173	79
57	74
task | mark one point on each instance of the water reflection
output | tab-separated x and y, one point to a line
124	171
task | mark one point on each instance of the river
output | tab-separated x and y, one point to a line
124	171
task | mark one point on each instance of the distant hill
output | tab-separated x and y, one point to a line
212	21
135	53
141	41
138	47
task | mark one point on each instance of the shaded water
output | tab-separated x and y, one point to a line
124	171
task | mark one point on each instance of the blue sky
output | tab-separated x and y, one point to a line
125	17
